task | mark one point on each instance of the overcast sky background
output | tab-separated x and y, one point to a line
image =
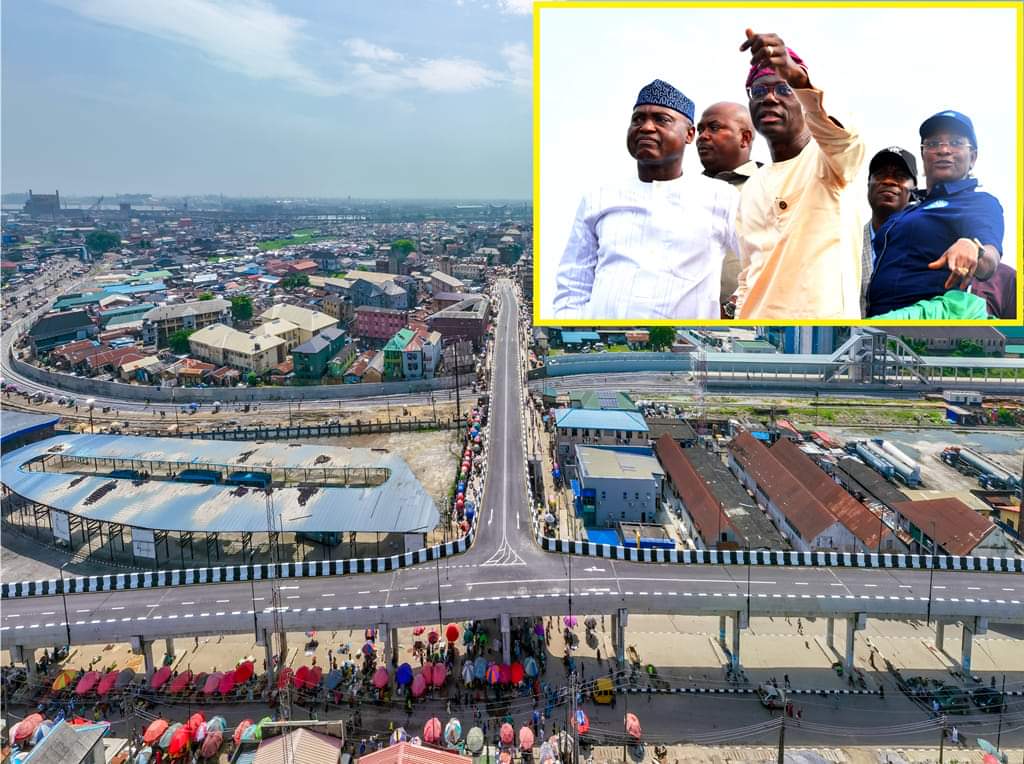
390	98
880	70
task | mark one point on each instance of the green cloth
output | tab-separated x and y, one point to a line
954	304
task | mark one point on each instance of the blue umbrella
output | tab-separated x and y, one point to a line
530	665
480	667
470	514
404	674
333	679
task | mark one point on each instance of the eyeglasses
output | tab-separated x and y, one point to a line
757	92
933	144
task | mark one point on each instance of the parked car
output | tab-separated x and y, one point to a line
988	699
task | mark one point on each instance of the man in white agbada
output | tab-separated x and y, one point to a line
650	247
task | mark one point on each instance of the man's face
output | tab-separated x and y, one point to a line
657	134
889	187
722	142
776	117
945	162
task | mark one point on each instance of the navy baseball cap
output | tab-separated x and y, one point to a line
961	123
901	155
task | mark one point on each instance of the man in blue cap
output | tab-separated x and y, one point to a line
651	247
941	245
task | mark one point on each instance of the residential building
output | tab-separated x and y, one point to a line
394	351
588	427
378	323
309	322
342	360
282	328
375	368
225	346
160	323
310	359
56	329
948	526
617	485
601	399
443	282
467	319
340	307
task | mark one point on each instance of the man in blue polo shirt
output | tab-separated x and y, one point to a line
953	237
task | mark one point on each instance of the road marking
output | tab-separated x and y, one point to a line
366	592
82	611
411	588
801	583
328	594
17	615
48	612
288	587
973	588
222	601
293	596
871	586
117	607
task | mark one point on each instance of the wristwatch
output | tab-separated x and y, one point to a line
981	248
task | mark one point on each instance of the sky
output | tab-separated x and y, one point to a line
278	98
874	66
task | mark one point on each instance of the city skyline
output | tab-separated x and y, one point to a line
180	102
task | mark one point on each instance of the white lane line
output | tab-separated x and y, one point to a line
801	583
48	612
221	602
293	596
118	607
82	611
188	603
366	592
328	594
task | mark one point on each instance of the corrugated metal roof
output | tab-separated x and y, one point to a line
399	505
601	419
407	753
952	524
16	423
304	747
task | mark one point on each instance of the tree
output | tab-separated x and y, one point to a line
206	296
295	280
179	341
241	308
661	337
252	379
99	241
403	247
969	349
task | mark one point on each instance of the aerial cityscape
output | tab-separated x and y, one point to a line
296	476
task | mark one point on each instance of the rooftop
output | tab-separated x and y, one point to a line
619	463
227	338
601	419
306	319
182	309
949	522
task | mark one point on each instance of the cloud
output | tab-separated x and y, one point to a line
360	48
520	64
245	36
516	7
451	75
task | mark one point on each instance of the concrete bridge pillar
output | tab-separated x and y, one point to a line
144	648
830	632
721	630
940	634
506	638
26	655
620	619
266	639
854	623
972	626
169	646
739	622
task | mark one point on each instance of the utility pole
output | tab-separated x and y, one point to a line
942	738
275	605
782	741
1002	708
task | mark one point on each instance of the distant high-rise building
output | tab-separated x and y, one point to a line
444	264
43	205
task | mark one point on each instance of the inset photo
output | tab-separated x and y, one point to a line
697	163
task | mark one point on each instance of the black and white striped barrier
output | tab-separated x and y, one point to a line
732	691
784	559
222	574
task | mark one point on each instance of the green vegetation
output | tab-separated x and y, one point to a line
661	337
206	296
300	236
99	241
241	308
618	349
179	341
403	247
294	281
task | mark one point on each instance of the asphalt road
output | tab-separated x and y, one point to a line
506	572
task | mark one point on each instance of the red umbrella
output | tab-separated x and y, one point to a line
192	725
87	682
237	737
300	676
432	730
452	632
180	682
633	726
243	671
212	744
439	674
419	630
380	677
107	682
419	686
179	743
313	677
227	683
161	676
432	637
507	734
517	672
155	731
283	677
212	683
525	738
506	673
27	727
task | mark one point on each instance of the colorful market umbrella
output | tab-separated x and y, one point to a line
403	676
517	671
87	683
162	675
380	678
475	740
333	679
165	739
194	723
433	636
439	674
283	677
493	675
212	682
452	632
452	731
154	731
125	678
569	621
582	721
179	743
432	730
211	745
467	672
180	682
201	731
258	734
506	733
216	723
300	676
240	730
63	679
418	630
313	677
525	738
633	726
107	682
480	668
419	686
144	756
530	666
243	671
26	728
227	683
